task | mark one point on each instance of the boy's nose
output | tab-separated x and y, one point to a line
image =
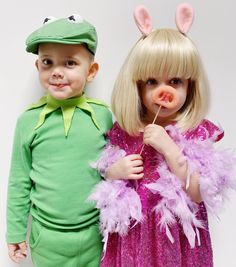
57	73
165	96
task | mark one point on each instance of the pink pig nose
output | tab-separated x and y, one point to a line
166	96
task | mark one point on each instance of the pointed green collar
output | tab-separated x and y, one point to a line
68	107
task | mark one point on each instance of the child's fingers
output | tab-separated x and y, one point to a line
20	255
137	170
12	252
13	256
134	156
23	248
136	176
17	252
137	163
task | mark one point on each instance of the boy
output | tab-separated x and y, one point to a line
55	141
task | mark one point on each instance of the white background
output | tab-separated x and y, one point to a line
213	32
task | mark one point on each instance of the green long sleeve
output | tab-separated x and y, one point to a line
51	175
19	187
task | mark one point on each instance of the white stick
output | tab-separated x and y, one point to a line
159	109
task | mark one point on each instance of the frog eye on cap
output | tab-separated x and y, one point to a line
75	18
48	19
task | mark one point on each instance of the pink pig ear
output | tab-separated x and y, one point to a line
184	17
143	20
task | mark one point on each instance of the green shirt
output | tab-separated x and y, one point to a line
50	174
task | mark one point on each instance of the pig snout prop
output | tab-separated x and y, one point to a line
164	97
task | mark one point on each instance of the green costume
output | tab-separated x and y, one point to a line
51	177
51	174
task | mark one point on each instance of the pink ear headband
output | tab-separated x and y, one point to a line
183	18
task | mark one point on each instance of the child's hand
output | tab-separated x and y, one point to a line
129	167
18	251
157	137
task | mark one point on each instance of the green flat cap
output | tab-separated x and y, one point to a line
71	30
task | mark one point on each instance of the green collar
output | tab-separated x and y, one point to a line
68	108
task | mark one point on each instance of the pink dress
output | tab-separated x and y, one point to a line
157	240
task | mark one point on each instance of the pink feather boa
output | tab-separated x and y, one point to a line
120	205
215	166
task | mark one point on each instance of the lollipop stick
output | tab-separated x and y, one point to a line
158	111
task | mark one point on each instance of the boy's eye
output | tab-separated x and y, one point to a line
71	63
47	61
151	81
176	81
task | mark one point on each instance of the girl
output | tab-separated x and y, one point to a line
160	166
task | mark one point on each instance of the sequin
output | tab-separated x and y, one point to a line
146	244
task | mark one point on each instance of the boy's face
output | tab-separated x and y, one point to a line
64	69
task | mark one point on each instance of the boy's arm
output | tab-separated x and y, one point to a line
19	186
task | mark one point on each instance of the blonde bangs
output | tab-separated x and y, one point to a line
165	52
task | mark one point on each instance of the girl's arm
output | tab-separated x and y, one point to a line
157	137
114	164
128	167
179	166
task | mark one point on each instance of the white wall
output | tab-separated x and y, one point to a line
213	32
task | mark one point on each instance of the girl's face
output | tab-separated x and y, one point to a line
150	87
64	69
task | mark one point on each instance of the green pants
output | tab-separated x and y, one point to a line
52	248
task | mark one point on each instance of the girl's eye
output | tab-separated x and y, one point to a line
70	63
151	81
176	81
47	61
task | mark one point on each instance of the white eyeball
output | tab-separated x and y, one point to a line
48	19
75	18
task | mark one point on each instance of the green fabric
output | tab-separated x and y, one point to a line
64	31
50	174
50	248
67	106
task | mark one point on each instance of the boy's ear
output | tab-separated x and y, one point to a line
93	69
37	64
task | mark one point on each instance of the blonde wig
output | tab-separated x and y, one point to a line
162	52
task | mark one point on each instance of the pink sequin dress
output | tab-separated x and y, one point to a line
146	244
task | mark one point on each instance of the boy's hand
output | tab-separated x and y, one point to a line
18	251
129	167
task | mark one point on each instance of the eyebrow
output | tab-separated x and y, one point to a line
44	55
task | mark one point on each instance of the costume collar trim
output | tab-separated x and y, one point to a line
68	107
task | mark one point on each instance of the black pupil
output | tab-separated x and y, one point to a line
71	18
46	20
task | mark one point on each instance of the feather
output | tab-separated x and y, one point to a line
216	167
109	155
217	176
175	205
119	205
